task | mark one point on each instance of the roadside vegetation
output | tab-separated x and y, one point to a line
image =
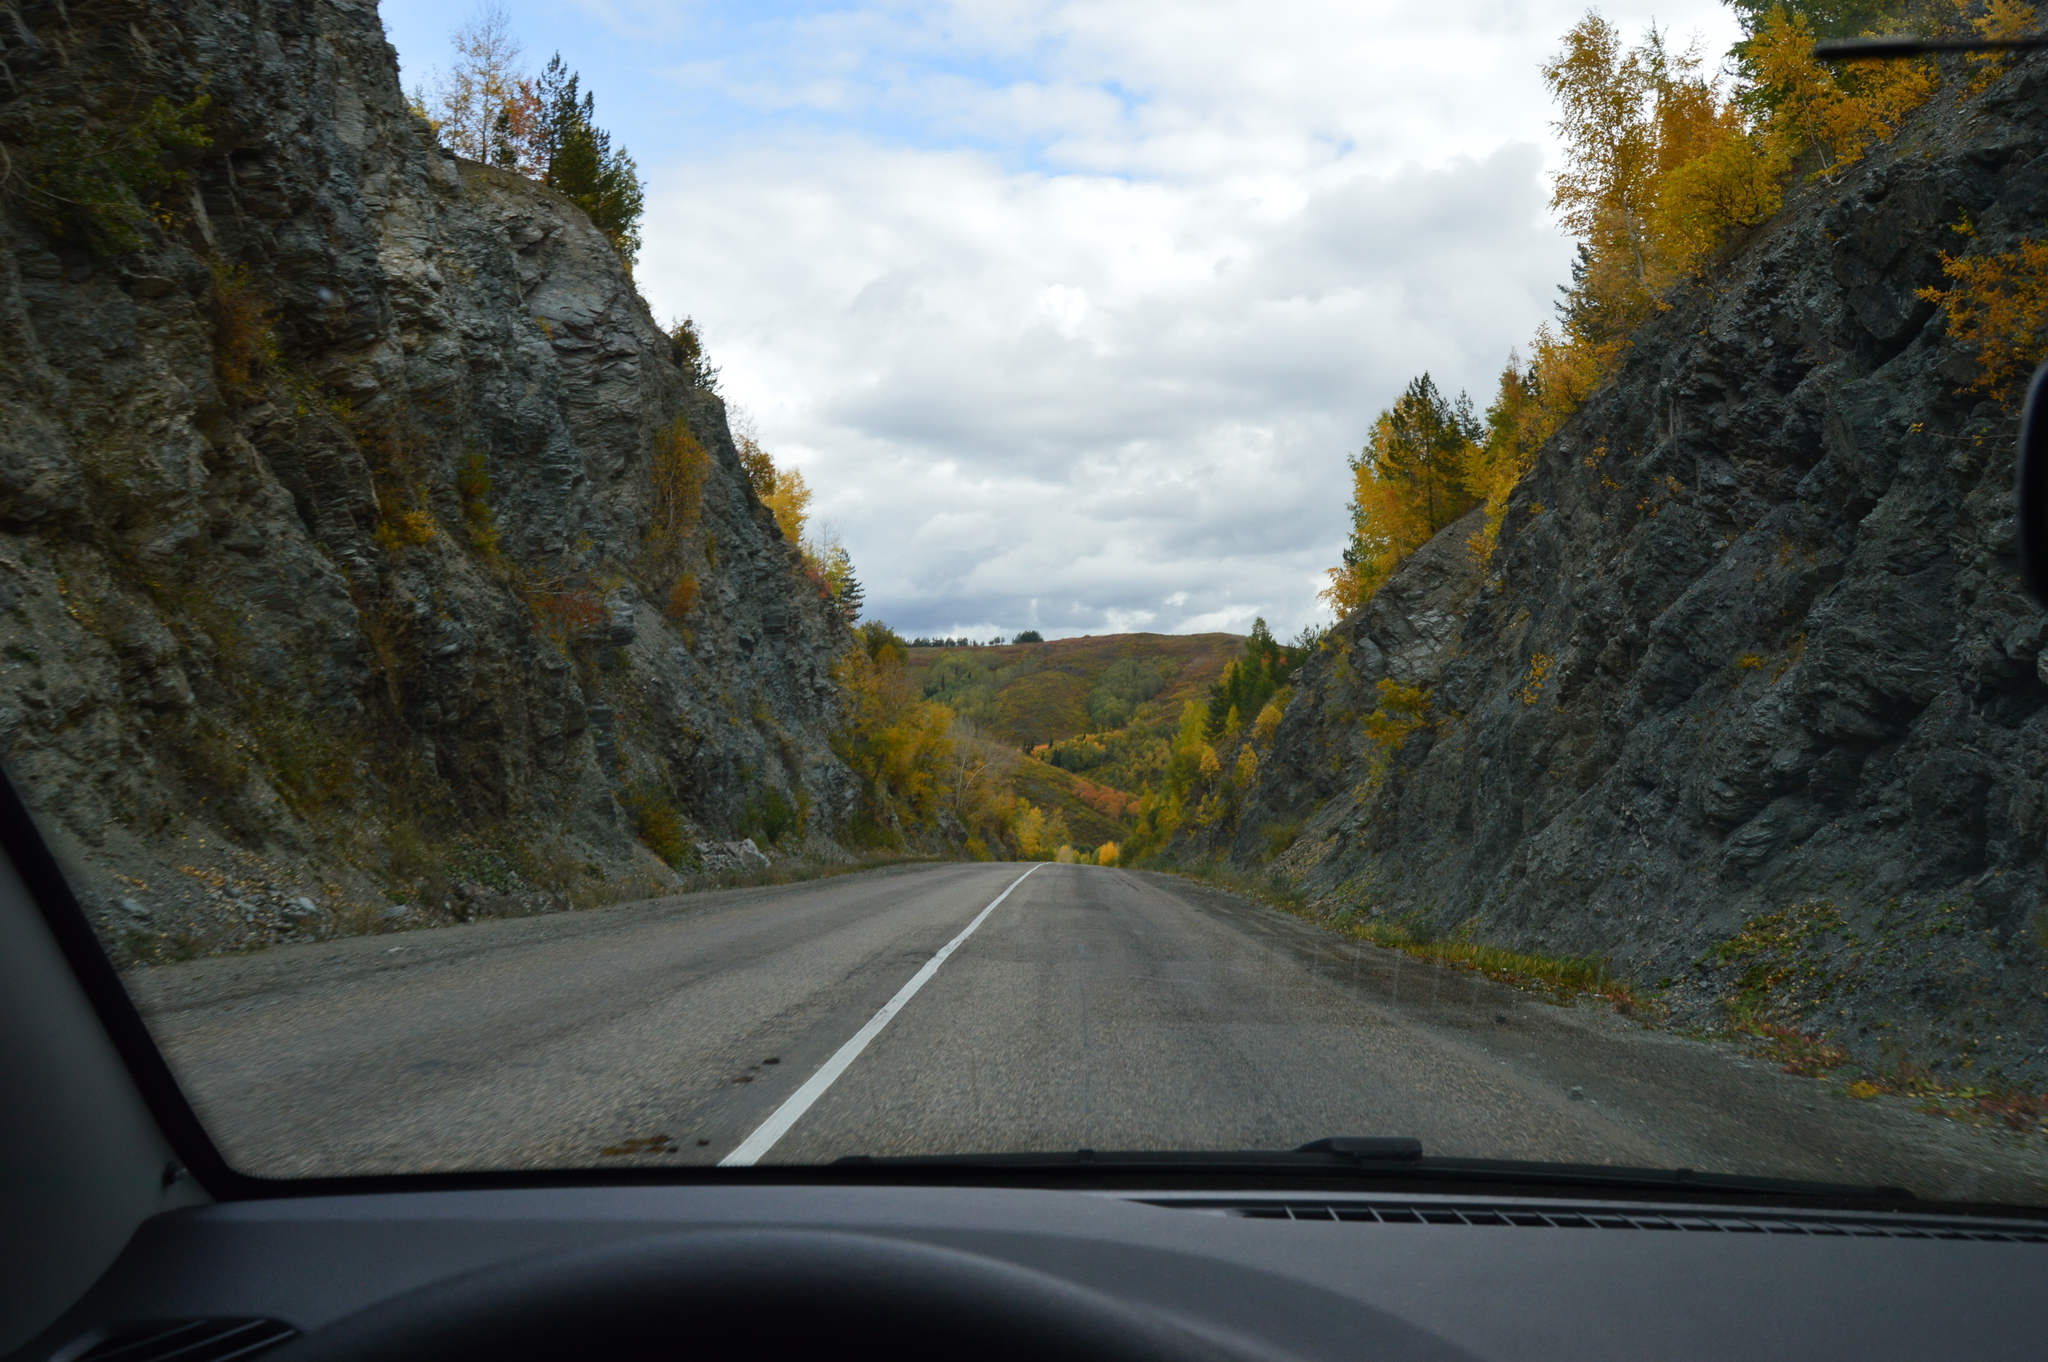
1560	979
1767	986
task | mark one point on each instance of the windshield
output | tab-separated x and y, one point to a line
643	593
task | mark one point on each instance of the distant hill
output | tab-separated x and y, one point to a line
1027	694
1084	804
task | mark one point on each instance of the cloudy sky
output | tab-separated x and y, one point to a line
1070	312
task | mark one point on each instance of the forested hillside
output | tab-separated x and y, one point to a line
1032	694
1082	725
1702	653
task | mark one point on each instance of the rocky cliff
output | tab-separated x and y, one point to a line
360	555
1748	700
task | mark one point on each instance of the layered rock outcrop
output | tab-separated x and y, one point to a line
1748	700
351	543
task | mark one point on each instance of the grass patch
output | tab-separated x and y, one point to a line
658	825
1562	978
1991	1104
1794	1051
773	816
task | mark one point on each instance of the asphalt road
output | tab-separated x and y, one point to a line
1093	1008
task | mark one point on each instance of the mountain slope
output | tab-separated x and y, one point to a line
1748	699
359	539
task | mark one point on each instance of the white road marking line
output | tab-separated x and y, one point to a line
775	1127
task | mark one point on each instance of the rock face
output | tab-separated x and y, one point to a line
350	541
1748	699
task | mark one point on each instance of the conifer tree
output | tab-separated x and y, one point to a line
1407	483
580	162
1248	682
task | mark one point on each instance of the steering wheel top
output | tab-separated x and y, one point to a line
752	1293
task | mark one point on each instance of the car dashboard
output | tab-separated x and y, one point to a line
1294	1273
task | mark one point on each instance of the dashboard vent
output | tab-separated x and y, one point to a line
182	1340
1613	1218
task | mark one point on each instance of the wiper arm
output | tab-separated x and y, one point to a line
1379	1157
1366	1148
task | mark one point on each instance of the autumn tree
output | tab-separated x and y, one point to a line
1517	423
1407	484
893	739
1838	111
484	107
1998	306
755	461
1662	164
1628	118
790	501
783	490
487	109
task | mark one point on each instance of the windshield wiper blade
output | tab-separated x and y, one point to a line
1851	49
1378	1157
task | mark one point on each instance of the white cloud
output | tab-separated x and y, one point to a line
1070	312
1086	392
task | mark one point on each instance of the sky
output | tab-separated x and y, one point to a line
1070	313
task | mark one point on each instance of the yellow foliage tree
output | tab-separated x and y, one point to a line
791	502
1999	304
1607	123
1401	711
757	462
1516	425
895	741
677	469
1660	167
1268	722
1407	484
2001	19
1841	111
782	490
788	498
1736	180
1629	118
1028	827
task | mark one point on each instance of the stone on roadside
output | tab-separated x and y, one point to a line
719	857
